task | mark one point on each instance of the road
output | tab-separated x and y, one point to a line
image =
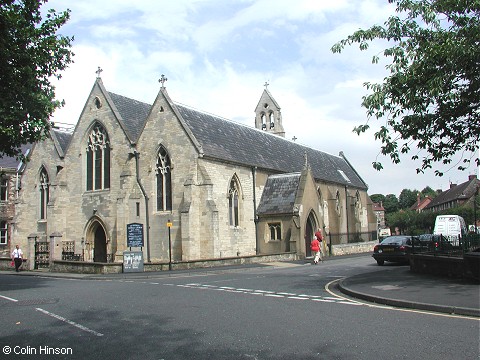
277	311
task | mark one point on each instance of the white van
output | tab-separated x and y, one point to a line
452	227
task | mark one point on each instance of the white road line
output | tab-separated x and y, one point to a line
81	327
298	298
8	298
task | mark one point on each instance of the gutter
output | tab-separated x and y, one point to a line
144	193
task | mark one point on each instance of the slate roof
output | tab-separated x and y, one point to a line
63	139
133	112
229	141
279	194
462	191
226	140
10	162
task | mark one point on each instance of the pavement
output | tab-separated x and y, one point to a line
391	285
397	286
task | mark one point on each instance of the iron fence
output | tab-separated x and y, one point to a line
444	246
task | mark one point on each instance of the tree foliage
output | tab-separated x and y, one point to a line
391	203
407	198
431	98
377	198
31	53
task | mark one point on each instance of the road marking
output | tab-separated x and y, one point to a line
8	298
266	293
61	318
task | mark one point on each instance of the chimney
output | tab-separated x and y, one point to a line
471	177
452	185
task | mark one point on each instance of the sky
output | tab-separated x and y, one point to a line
218	54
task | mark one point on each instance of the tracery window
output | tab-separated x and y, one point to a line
44	187
3	233
163	172
233	196
275	231
98	159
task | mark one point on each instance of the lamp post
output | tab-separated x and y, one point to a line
169	225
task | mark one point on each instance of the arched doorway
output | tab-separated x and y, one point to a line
310	227
97	237
100	249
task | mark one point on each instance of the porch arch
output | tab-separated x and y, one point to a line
96	241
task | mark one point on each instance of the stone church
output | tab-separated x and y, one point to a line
201	186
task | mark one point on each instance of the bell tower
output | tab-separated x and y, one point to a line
268	116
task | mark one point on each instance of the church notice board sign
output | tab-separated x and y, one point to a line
134	235
132	261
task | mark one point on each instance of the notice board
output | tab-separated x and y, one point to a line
132	261
134	235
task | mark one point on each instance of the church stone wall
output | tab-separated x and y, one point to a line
27	218
233	241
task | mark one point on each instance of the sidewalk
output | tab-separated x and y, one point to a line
398	286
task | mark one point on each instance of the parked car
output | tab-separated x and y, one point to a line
395	248
432	242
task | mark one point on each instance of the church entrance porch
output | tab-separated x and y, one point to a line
96	243
310	227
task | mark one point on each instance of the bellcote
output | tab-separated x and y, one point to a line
268	116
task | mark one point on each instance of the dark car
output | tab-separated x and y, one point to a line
395	248
437	243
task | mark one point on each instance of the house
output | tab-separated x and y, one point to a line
379	211
421	204
11	170
456	195
200	186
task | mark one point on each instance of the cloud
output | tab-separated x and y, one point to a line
217	55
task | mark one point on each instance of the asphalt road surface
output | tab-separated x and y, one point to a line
276	311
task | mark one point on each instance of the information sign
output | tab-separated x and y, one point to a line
132	261
135	235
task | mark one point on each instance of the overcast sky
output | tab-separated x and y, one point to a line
217	55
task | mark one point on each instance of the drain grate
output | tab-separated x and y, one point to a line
31	302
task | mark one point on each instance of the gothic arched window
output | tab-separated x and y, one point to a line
98	159
233	202
164	181
44	186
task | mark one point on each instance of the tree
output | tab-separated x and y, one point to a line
407	198
431	99
391	203
377	198
428	191
31	53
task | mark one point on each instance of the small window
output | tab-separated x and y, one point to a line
233	198
4	189
3	233
138	209
44	186
275	231
164	181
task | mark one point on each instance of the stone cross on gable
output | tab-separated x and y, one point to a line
266	85
162	80
98	72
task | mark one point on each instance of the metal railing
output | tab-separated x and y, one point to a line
444	246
